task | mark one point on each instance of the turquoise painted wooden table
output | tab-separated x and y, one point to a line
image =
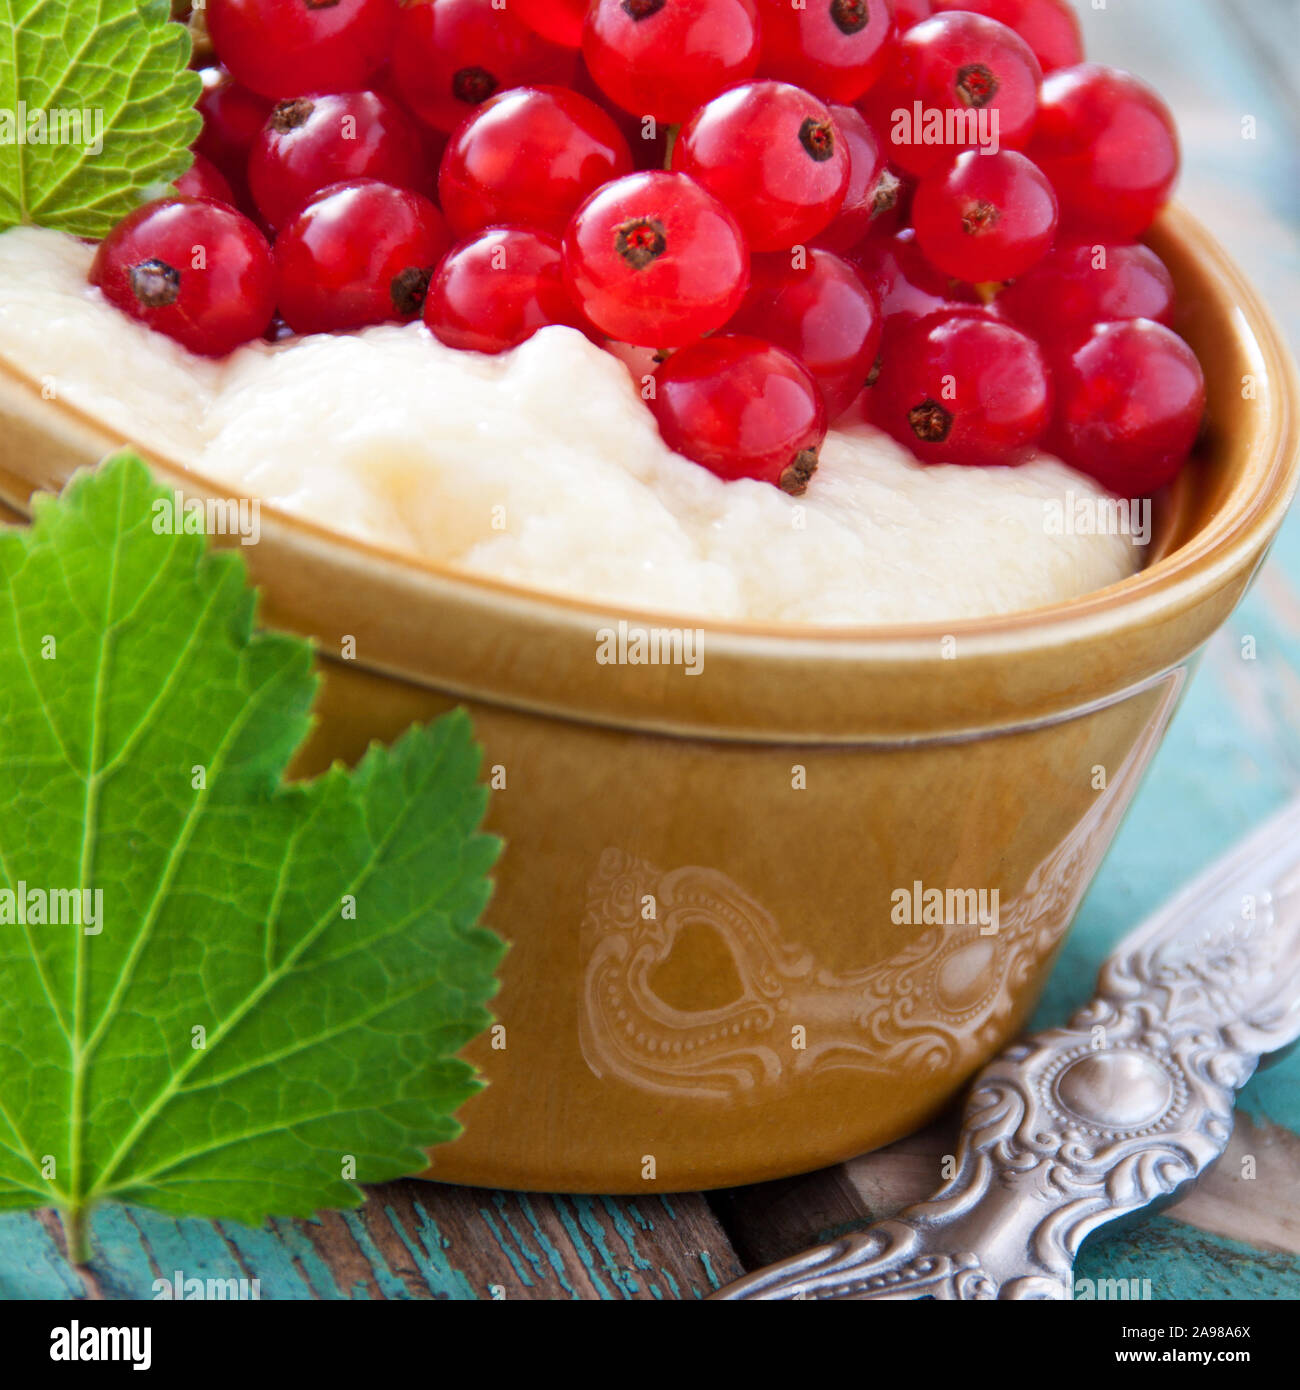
1232	756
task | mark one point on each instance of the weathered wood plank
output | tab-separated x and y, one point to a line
772	1220
1164	1260
1252	1195
411	1240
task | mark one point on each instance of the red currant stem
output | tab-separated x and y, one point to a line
988	291
670	143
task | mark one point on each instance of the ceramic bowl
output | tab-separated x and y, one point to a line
728	962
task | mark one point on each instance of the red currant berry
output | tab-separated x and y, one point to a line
233	118
1049	27
196	270
905	284
985	217
663	58
494	292
358	253
963	388
1077	286
822	313
558	20
910	12
873	200
1130	400
773	155
1108	144
833	48
204	180
385	83
433	142
451	55
309	143
647	139
950	78
529	157
656	260
743	409
288	48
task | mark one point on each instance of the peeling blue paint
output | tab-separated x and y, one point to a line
430	1256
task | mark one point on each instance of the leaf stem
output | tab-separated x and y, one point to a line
76	1235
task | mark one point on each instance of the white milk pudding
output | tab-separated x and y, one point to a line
543	467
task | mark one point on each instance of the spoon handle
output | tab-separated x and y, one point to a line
1124	1106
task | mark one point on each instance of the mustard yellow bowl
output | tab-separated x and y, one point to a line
729	959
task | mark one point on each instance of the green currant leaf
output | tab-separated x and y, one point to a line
96	107
270	981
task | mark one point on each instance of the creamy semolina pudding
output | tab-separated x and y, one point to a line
543	467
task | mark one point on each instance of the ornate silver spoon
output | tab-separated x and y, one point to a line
1129	1102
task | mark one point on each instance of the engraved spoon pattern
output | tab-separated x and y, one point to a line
1078	1126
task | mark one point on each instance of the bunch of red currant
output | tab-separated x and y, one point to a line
782	212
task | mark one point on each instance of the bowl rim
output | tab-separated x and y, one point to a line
1252	511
